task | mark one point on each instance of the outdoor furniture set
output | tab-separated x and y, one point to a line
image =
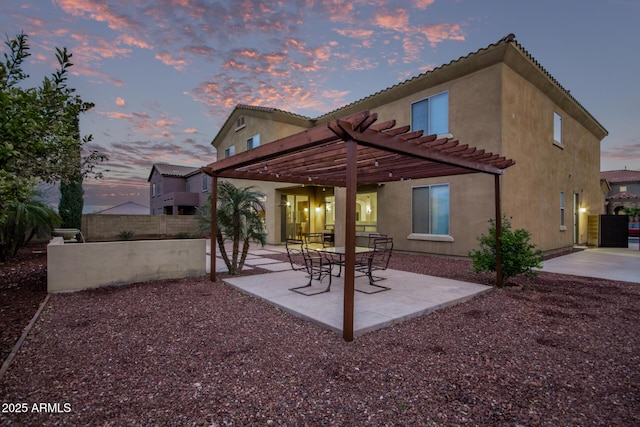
318	260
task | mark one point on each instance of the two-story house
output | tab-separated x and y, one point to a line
498	98
177	190
624	190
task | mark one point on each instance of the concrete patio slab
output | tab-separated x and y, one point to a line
411	295
604	263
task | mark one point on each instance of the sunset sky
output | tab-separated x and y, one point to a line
164	75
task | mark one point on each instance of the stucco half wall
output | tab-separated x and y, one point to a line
73	267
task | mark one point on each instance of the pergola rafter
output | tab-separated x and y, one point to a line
355	151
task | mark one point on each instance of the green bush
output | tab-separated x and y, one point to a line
126	235
519	255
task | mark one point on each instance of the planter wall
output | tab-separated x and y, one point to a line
76	266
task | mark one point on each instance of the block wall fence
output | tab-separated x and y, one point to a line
97	227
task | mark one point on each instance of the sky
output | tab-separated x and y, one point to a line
164	75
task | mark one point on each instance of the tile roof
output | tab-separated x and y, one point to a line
623	196
624	175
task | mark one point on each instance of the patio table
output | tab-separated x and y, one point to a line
339	251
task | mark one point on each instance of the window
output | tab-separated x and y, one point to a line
366	212
430	209
253	142
154	190
240	123
623	188
563	226
557	129
228	152
205	183
329	212
188	186
431	115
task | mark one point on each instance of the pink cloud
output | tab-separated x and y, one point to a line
85	71
628	152
168	59
120	102
440	32
397	20
423	4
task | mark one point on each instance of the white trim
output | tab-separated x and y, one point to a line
431	237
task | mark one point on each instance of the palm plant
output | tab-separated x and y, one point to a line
24	219
238	220
632	211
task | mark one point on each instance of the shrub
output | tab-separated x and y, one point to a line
126	235
519	255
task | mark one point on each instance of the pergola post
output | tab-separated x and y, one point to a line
350	240
214	226
499	274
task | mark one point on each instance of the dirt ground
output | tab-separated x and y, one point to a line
551	351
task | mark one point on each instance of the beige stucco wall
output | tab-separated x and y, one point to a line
73	267
96	227
496	108
532	187
255	123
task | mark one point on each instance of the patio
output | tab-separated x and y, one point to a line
411	295
352	151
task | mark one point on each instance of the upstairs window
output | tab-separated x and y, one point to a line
188	186
205	183
239	123
228	152
557	129
253	142
431	115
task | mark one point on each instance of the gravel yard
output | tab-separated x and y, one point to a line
552	351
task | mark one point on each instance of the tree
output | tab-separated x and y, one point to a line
71	202
519	255
238	220
632	211
39	138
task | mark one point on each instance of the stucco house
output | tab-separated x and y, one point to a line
498	98
624	190
177	190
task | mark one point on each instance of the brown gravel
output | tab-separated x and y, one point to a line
552	351
23	286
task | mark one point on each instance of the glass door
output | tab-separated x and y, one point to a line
295	218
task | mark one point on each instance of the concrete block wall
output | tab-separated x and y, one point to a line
77	266
97	227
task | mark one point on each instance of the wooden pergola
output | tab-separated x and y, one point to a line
353	151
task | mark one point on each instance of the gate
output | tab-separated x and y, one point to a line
614	231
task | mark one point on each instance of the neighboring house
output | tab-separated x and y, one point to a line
499	99
128	208
177	190
624	190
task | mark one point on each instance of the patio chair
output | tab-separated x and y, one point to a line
295	253
373	237
318	267
377	260
314	240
